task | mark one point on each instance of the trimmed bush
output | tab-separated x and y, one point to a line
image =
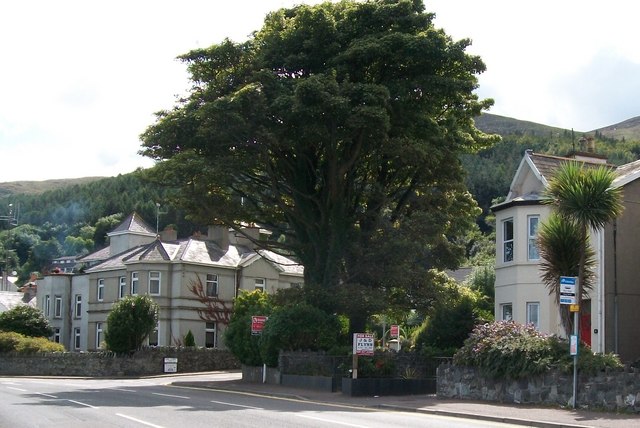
16	342
189	340
26	320
131	320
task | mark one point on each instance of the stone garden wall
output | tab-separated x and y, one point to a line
615	390
146	362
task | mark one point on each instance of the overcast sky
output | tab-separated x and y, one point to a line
80	80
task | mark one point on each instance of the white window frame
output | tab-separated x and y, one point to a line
76	338
211	285
99	332
77	308
504	311
261	284
57	307
122	286
507	242
100	290
134	283
155	278
533	223
533	314
210	328
56	335
47	305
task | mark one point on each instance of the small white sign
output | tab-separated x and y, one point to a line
573	345
170	365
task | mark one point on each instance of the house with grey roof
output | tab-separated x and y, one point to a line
608	315
222	263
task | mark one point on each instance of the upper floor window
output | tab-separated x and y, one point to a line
57	307
507	240
260	284
77	310
154	283
532	222
100	293
134	283
212	285
122	285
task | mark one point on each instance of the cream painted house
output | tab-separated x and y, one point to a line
139	262
609	317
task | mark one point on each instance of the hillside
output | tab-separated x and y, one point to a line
628	130
37	187
502	125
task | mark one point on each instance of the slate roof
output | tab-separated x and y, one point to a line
133	223
196	251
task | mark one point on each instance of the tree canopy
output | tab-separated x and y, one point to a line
339	127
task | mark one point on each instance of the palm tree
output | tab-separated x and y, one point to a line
559	245
584	196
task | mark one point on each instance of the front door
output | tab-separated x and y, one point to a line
585	322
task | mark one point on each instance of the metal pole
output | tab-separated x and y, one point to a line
576	320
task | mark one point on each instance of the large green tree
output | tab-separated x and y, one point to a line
339	127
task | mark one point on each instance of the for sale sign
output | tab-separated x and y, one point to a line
394	331
363	344
257	324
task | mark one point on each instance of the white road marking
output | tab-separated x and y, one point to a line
46	395
123	390
237	405
16	389
140	421
331	421
83	404
170	395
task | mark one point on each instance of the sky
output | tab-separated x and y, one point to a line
81	80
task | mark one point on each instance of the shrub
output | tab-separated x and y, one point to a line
189	340
299	327
506	349
130	321
238	338
16	342
26	320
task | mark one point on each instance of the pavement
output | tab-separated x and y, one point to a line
526	415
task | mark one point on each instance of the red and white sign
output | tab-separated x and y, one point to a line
363	344
394	331
257	323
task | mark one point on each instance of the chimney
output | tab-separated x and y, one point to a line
220	235
169	234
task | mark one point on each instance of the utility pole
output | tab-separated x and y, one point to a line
12	220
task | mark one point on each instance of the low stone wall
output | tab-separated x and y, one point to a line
146	362
619	390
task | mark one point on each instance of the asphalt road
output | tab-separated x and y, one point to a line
97	403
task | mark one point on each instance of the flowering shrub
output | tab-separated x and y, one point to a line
506	349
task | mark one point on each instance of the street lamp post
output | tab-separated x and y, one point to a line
12	220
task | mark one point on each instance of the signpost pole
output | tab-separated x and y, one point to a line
576	319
